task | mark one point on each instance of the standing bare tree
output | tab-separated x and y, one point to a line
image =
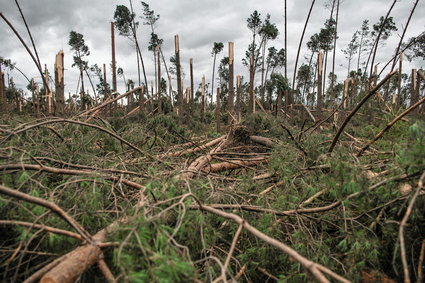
217	48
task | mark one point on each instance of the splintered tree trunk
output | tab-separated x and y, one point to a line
279	102
345	95
251	104
231	96
49	98
192	89
179	82
59	83
159	79
142	98
217	111
114	67
188	95
238	95
203	99
319	85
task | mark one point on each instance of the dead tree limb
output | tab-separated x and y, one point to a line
315	269
263	141
46	85
390	124
403	224
352	113
230	165
21	166
78	123
201	162
191	150
42	227
53	207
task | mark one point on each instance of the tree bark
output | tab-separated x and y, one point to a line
230	98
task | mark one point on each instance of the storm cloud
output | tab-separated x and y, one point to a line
199	23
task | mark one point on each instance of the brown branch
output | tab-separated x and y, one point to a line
191	150
297	144
16	132
106	271
314	268
42	227
72	264
107	102
46	85
109	170
263	141
234	164
53	207
352	113
201	162
20	166
403	224
272	211
390	124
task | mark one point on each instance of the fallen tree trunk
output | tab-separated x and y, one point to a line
263	141
191	150
223	166
201	162
74	263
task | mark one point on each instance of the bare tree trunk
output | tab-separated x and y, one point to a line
3	102
286	49
179	83
192	89
400	73
376	43
82	94
398	50
217	111
345	95
414	96
91	84
231	95
212	80
299	46
114	67
262	75
168	76
238	95
334	51
319	85
203	100
142	98
159	80
46	86
251	104
139	51
59	83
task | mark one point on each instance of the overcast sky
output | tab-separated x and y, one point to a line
199	24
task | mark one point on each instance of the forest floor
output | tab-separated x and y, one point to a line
163	199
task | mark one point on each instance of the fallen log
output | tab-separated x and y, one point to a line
191	150
74	263
263	141
230	165
199	163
